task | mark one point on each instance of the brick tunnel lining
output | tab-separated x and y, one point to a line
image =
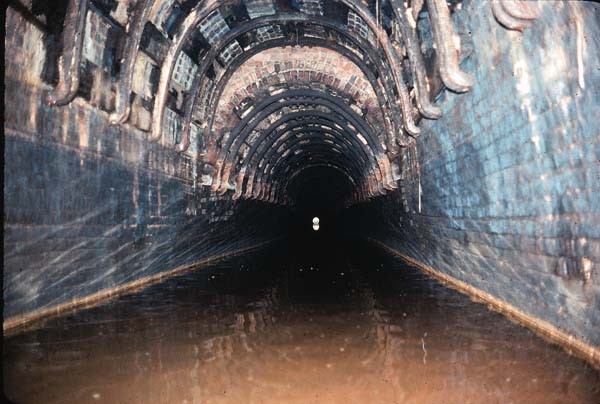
448	191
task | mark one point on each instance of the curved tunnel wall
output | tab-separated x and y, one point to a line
123	158
503	192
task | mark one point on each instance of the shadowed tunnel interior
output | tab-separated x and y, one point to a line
319	192
165	161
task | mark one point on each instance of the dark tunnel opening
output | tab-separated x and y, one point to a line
291	201
318	191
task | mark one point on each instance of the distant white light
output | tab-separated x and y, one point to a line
315	223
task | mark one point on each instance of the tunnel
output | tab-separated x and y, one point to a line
281	201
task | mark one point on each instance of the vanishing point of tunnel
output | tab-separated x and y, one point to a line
301	201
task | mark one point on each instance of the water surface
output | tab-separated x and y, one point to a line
313	324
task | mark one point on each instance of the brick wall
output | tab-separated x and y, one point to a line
89	206
504	191
289	67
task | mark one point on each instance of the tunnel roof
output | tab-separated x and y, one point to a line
273	86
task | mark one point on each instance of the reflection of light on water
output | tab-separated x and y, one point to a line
378	345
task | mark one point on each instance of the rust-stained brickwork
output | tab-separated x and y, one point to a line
503	192
143	135
89	205
290	67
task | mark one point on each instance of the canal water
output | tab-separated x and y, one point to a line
301	323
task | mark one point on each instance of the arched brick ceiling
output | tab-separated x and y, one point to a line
285	68
269	87
298	71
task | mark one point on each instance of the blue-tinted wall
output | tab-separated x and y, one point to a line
89	206
503	192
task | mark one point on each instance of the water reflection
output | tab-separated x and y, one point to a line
335	327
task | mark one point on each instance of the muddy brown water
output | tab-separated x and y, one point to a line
346	325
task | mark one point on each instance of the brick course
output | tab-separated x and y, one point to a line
510	176
89	206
